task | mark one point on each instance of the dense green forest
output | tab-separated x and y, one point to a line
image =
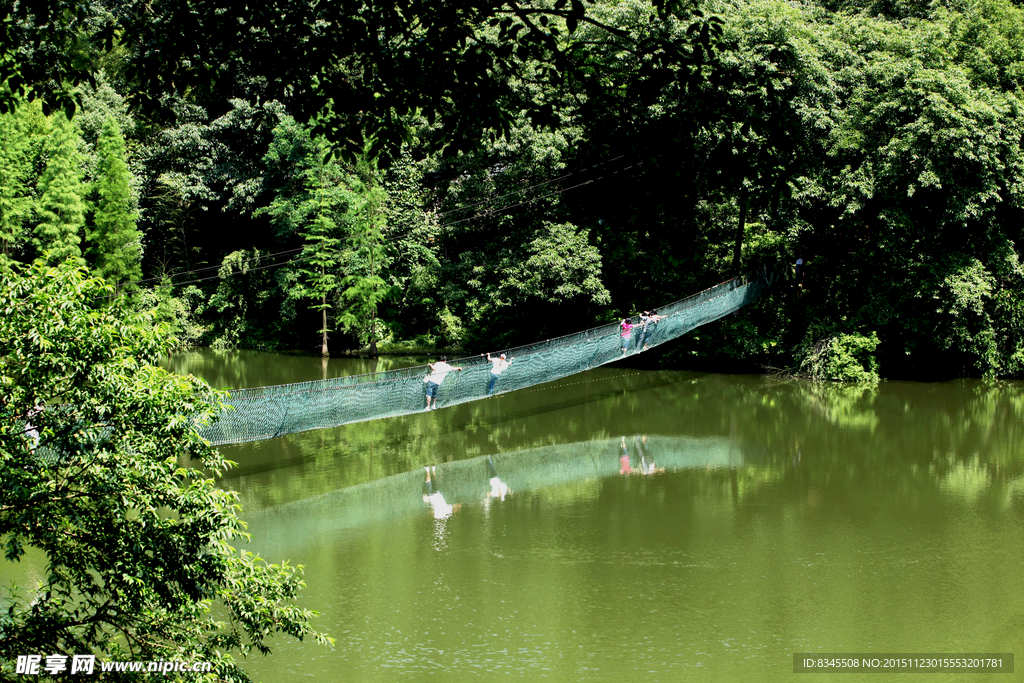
405	176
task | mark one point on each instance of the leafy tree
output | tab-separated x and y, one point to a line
99	103
247	303
411	248
116	243
48	48
321	239
138	561
204	174
15	189
358	70
172	227
61	207
313	208
364	287
505	252
912	203
754	143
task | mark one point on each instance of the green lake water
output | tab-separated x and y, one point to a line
655	526
659	526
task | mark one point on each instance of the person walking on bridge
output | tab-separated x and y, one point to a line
498	366
649	320
626	329
438	371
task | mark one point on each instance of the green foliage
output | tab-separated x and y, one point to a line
16	172
912	170
364	288
315	209
116	245
245	308
452	332
46	49
61	208
181	314
99	103
361	71
507	252
139	564
841	358
411	245
547	166
564	267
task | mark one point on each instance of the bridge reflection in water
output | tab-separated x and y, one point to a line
468	482
791	517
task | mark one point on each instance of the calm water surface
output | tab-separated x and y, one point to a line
659	526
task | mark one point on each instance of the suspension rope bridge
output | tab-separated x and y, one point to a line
266	412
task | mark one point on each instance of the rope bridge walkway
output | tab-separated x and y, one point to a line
267	412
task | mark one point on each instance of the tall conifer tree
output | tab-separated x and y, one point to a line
315	208
15	168
62	204
321	242
364	287
115	241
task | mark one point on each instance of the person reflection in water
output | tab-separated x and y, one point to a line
647	465
499	489
624	467
433	497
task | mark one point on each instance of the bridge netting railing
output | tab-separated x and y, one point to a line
266	412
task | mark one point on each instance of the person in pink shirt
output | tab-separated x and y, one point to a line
627	332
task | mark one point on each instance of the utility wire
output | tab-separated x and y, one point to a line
200	270
524	189
442	213
536	199
392	238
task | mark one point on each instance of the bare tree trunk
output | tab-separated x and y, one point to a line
373	333
737	249
323	347
373	316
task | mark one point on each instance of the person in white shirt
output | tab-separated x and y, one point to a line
498	365
438	371
649	319
31	430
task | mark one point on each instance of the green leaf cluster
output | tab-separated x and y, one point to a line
116	490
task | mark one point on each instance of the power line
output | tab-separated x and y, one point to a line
530	187
536	199
200	270
392	238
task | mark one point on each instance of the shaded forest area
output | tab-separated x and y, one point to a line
404	176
